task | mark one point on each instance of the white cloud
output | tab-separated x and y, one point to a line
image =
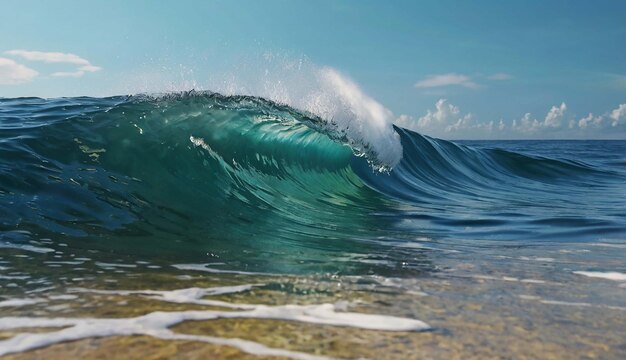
84	66
453	79
526	124
590	125
500	76
555	115
618	115
607	120
464	123
448	121
590	121
444	113
553	120
78	73
12	73
447	80
49	57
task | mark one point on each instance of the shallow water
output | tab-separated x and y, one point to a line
290	235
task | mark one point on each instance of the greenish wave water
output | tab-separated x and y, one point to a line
267	187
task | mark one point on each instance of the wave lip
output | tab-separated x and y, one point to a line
362	121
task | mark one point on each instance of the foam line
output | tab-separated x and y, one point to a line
157	324
20	302
611	245
247	346
182	296
154	325
570	303
26	247
112	265
610	275
205	268
319	314
506	278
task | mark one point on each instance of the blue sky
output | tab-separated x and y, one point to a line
449	69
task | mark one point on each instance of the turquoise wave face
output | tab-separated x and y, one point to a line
264	187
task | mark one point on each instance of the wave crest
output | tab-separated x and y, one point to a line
345	112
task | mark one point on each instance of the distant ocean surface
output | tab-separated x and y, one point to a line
95	192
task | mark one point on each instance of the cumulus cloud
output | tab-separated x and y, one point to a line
443	115
590	121
526	124
447	120
612	119
603	125
450	79
553	120
555	115
618	115
13	73
83	65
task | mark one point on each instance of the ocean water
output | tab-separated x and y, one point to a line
199	224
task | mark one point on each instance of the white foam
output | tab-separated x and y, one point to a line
157	324
508	278
14	277
20	302
542	259
570	303
113	265
610	275
320	314
59	307
205	268
361	118
611	245
42	289
326	314
26	247
62	297
532	281
64	262
182	296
